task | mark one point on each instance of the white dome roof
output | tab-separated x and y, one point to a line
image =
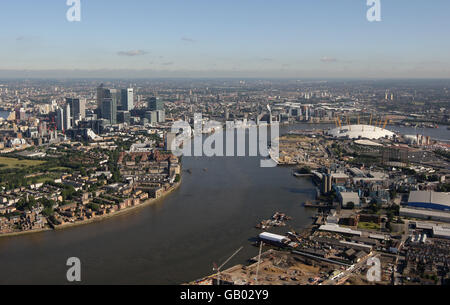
360	131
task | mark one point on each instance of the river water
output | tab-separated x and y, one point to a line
176	240
212	214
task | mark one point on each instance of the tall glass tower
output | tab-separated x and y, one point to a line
155	104
127	99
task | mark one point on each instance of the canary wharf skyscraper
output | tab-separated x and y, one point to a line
102	93
127	99
155	103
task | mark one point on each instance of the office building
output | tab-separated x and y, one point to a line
109	110
152	117
161	116
78	108
102	93
60	119
127	99
123	117
67	118
155	103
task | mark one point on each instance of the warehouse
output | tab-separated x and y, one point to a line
425	214
271	238
346	198
441	232
337	229
429	200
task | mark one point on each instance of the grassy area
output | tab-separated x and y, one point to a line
368	226
6	163
59	169
46	179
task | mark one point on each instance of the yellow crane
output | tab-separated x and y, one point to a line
385	124
371	117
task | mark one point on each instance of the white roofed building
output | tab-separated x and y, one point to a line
360	132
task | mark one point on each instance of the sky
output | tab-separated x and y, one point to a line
226	38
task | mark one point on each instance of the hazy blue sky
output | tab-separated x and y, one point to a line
266	38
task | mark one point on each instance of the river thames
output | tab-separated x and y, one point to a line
177	239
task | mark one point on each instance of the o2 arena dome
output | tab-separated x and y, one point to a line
361	131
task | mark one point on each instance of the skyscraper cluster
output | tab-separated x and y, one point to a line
112	101
73	111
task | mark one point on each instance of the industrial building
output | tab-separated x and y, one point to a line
345	198
361	132
337	229
271	238
441	232
425	214
429	200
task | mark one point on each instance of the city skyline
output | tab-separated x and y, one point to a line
300	39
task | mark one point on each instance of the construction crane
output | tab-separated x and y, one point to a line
358	119
340	123
218	269
371	117
385	123
336	122
259	262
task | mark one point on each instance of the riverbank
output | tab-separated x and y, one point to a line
121	212
98	218
25	232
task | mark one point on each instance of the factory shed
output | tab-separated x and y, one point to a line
273	238
337	229
429	200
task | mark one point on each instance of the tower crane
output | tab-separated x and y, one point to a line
218	269
259	262
340	123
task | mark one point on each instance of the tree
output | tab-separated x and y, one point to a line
94	207
393	194
304	170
